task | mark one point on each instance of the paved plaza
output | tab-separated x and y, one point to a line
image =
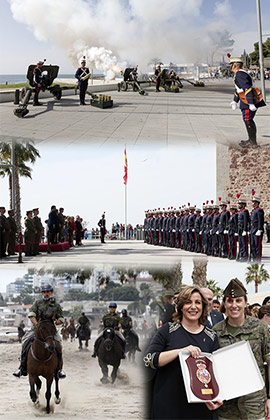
120	253
195	115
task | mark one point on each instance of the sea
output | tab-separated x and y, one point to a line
10	79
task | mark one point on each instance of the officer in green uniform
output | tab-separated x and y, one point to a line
127	326
29	234
83	320
39	230
238	327
111	320
12	230
45	306
62	220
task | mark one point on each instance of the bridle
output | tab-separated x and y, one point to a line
43	343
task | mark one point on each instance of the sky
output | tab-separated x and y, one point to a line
88	181
134	31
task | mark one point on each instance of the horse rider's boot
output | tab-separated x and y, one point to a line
22	371
61	374
124	350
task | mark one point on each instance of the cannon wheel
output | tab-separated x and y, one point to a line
57	93
123	86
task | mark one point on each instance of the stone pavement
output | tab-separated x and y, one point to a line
195	115
120	253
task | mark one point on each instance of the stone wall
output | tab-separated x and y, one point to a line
249	169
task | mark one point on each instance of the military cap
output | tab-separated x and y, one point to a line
2	208
235	60
112	305
235	289
223	203
198	210
242	201
168	294
9	211
36	209
233	207
29	211
47	288
256	199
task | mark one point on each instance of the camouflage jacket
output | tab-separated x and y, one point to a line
111	320
257	333
126	322
83	320
38	224
47	307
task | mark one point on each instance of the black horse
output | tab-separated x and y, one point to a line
131	344
21	333
83	334
109	353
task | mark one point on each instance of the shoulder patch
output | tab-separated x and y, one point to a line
173	326
211	334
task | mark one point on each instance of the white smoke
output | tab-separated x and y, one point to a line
112	32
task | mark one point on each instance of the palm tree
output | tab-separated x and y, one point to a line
25	151
199	272
256	273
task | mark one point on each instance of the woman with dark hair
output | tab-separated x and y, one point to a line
167	397
266	300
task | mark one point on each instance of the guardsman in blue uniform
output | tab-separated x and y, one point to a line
160	225
243	228
197	227
243	90
203	228
82	74
191	229
222	230
145	222
185	229
215	224
208	230
156	227
177	228
172	230
256	230
37	76
232	228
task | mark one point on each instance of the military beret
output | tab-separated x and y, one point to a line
235	289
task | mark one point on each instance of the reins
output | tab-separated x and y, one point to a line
43	344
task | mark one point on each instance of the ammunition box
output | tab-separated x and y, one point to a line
101	103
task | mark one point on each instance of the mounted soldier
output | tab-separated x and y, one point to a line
47	306
127	327
111	320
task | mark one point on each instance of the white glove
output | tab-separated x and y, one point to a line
244	233
211	232
200	232
187	230
236	234
258	233
225	232
217	232
193	230
252	107
234	105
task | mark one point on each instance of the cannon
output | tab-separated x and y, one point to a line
49	73
129	81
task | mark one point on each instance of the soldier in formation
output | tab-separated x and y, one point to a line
214	233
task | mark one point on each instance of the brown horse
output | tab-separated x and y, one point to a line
43	361
65	333
72	330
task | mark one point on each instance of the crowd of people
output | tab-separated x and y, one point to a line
58	228
215	233
193	325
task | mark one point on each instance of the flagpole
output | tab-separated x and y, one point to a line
126	211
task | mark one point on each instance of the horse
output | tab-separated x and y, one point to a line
42	360
71	331
109	353
83	334
131	344
65	333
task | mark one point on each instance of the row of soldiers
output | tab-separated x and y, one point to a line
8	231
214	233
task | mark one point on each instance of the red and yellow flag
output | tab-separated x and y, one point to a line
125	177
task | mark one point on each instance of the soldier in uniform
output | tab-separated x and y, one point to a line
172	230
29	234
83	320
102	225
12	230
238	327
61	218
208	230
256	230
157	77
215	224
203	228
191	229
243	228
82	74
197	227
37	82
45	306
127	326
222	230
39	229
243	90
111	320
177	229
232	228
3	232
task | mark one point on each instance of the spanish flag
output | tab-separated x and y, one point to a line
125	167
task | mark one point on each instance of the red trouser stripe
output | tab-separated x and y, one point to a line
246	114
260	253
